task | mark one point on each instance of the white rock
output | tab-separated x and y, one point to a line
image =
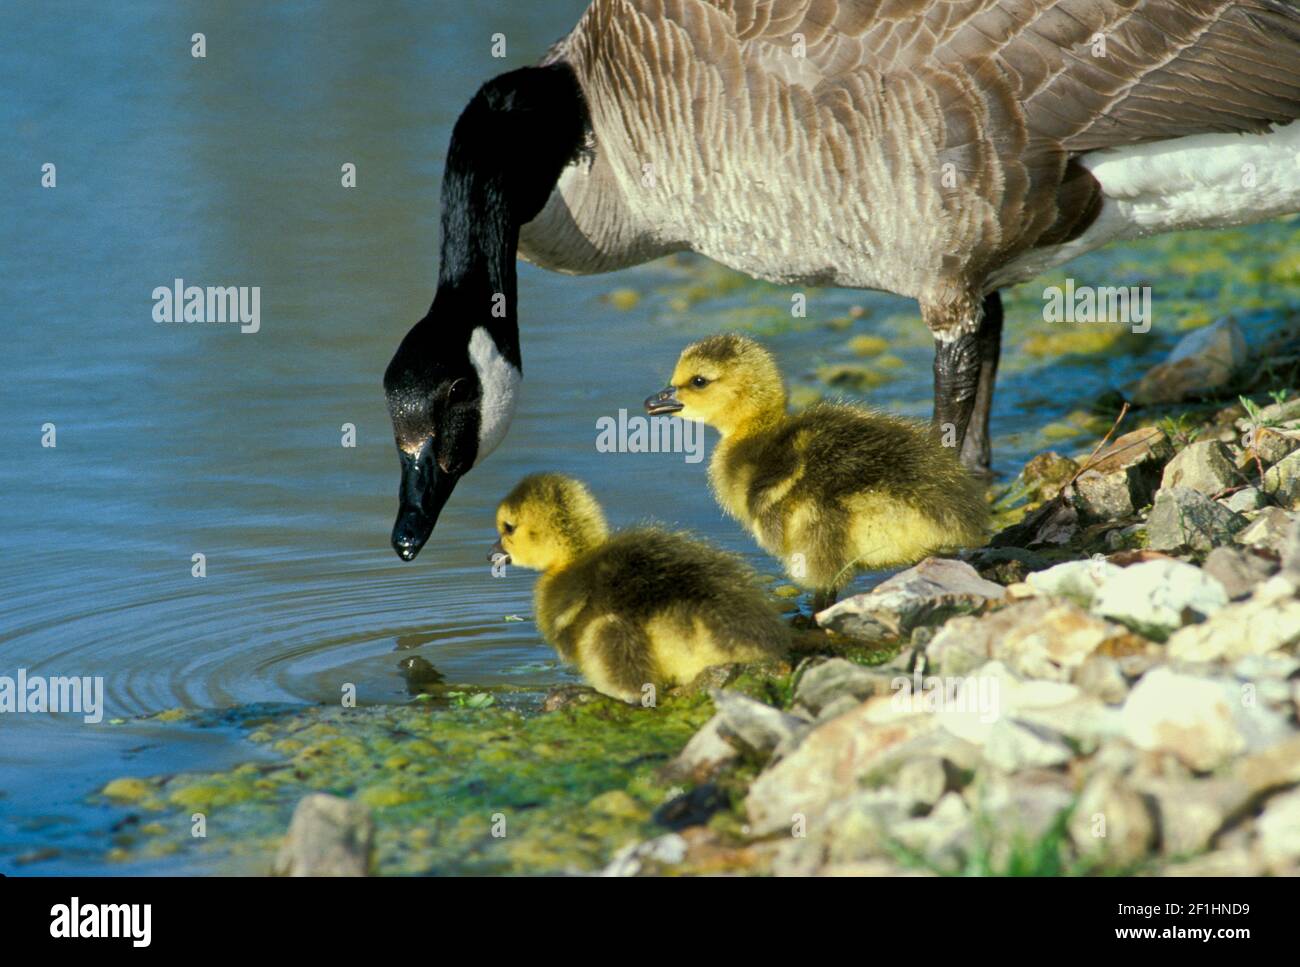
1112	822
976	702
1014	745
1278	830
1193	718
923	780
1155	597
1077	580
1249	628
328	836
943	837
832	680
923	595
753	727
827	765
1062	640
705	754
633	859
1274	666
1269	530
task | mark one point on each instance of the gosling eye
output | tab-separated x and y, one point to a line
507	528
699	382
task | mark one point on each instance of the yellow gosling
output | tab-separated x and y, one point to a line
643	607
830	491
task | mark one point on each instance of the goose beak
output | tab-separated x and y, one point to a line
665	401
423	492
498	554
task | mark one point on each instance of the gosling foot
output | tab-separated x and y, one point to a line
821	600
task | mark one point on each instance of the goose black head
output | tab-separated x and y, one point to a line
451	401
453	384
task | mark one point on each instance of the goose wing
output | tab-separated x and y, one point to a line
1085	74
922	144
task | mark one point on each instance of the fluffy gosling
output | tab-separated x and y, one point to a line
638	608
831	490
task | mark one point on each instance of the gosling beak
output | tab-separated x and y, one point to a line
498	554
423	492
665	401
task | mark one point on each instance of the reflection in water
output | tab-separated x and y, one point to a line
420	674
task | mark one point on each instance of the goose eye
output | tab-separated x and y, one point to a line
699	382
507	528
458	392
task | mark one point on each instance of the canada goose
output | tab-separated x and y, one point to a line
938	149
641	607
831	490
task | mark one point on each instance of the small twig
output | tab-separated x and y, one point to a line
1259	464
1087	464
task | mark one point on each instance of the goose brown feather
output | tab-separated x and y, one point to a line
916	146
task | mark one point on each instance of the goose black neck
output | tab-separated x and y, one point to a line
507	151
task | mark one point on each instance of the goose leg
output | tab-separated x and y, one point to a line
976	448
965	368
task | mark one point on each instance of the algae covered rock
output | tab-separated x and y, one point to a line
1185	519
1204	466
1046	474
1282	482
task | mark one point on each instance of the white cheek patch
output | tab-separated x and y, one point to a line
500	382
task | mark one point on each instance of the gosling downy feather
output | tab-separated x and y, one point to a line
831	490
644	607
938	149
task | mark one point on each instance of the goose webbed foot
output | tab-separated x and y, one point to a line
976	448
965	371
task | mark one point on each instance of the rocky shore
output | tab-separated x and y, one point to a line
1111	686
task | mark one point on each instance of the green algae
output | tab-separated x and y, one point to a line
852	377
128	789
452	791
624	299
866	345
